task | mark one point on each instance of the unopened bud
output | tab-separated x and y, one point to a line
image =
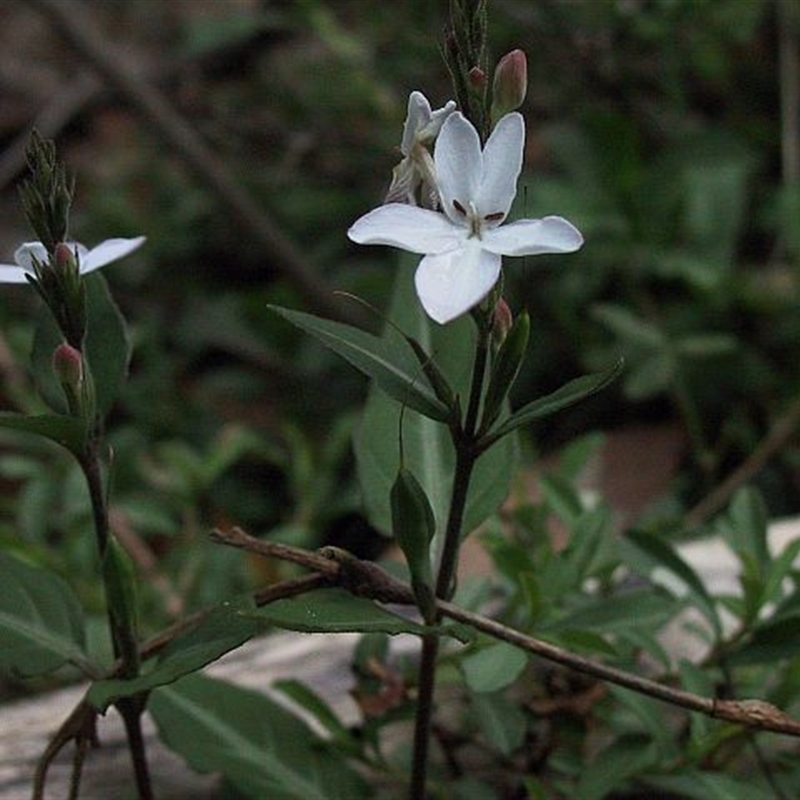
64	259
502	321
68	366
510	83
477	79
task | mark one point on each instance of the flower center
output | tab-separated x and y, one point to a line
474	220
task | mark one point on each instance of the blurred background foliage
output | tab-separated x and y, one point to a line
666	130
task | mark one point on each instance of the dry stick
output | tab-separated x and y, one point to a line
75	25
369	580
775	440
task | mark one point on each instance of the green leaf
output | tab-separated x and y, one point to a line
69	432
645	552
650	713
623	759
769	643
41	622
699	785
107	348
505	369
650	376
223	630
262	749
568	395
427	445
500	721
414	526
494	667
629	327
747	518
390	364
333	611
312	703
643	607
778	571
707	345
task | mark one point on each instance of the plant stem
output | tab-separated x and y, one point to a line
131	710
466	455
123	636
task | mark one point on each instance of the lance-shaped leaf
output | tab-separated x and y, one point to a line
223	630
568	395
261	748
333	611
41	623
505	369
414	526
390	364
428	448
337	611
69	432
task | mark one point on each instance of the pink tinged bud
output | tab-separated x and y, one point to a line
477	79
68	366
502	321
510	83
64	258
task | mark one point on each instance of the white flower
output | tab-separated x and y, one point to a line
416	170
88	260
463	246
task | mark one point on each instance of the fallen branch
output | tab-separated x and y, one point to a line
369	580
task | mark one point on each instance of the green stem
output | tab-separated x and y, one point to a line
465	442
123	637
131	710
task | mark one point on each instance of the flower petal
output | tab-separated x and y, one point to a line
417	117
431	130
407	227
502	162
11	273
450	284
106	252
25	254
459	165
531	237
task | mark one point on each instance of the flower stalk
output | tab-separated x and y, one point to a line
465	441
55	267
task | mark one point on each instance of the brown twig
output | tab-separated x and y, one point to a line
371	581
74	23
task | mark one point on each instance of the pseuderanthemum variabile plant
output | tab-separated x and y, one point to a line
464	243
88	260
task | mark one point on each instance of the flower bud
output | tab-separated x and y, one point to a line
510	83
502	321
68	366
64	259
477	79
